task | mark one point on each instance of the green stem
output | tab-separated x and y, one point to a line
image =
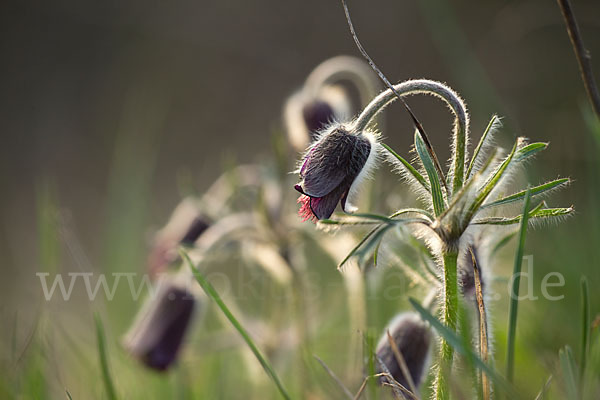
450	312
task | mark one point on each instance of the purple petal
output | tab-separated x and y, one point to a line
323	207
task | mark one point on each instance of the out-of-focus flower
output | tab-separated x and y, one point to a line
160	326
413	337
324	98
185	226
307	112
332	171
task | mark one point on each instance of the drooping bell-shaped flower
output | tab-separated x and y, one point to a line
413	337
184	227
332	170
161	325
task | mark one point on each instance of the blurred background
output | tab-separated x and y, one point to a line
111	109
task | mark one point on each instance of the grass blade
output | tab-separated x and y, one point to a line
457	342
585	323
335	378
437	196
213	294
569	370
514	293
544	389
409	168
106	377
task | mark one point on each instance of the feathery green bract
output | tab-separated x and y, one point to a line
437	196
213	294
106	377
480	145
536	190
537	213
585	323
569	370
457	343
529	150
491	183
514	292
415	174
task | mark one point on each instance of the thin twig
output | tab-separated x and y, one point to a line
385	80
334	377
398	390
584	58
483	334
402	363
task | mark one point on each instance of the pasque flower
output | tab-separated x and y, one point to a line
332	170
160	327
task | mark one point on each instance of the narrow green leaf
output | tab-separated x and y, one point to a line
213	294
503	242
529	150
490	184
357	247
536	190
533	214
585	323
373	243
514	292
437	196
106	377
409	168
569	370
68	395
412	210
480	145
457	343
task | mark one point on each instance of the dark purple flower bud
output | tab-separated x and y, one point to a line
332	171
413	338
160	327
185	226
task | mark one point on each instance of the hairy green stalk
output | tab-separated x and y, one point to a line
449	314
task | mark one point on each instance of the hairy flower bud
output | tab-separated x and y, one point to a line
413	338
332	171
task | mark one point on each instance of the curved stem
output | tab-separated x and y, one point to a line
341	68
437	89
449	314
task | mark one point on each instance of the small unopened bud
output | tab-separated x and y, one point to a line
412	337
161	325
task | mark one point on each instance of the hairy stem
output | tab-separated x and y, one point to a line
437	89
449	314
